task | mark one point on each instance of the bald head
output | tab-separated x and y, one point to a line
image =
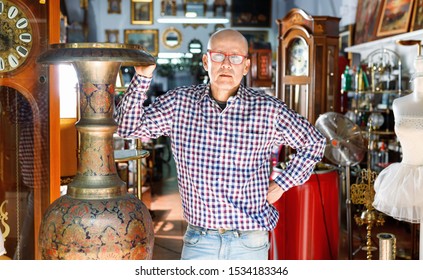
229	35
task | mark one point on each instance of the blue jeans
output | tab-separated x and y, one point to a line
212	244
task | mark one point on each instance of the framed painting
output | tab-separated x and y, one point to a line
195	8
168	8
112	36
417	21
114	7
142	11
345	41
219	8
149	39
395	17
251	13
255	35
367	18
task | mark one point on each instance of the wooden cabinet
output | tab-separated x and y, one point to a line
26	121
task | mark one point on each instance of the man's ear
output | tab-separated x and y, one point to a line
205	62
247	66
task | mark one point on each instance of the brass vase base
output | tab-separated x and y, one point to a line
109	229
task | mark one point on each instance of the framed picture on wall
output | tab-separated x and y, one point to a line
417	21
395	17
112	36
367	18
168	8
251	13
346	40
219	8
142	11
255	35
149	39
195	8
114	7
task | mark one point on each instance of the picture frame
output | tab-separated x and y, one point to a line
168	8
255	35
395	17
142	11
346	40
367	18
417	21
114	7
219	8
195	8
148	38
251	13
112	35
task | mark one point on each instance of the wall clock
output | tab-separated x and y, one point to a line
15	36
307	66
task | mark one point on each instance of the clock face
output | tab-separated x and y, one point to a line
297	58
15	36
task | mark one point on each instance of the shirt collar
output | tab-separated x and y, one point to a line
240	93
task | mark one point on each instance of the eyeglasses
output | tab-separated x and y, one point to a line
220	57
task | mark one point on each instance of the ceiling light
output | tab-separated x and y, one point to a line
174	55
195	20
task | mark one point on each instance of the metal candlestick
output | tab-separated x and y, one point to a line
364	193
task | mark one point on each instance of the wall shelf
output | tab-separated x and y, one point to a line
408	53
418	34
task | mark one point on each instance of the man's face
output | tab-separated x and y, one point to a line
226	76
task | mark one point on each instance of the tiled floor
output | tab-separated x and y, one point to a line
170	227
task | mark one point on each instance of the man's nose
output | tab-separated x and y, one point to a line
226	62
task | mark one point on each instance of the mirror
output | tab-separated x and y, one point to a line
172	38
195	46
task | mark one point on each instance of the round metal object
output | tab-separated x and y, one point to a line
344	140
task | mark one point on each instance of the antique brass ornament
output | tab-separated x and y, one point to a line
363	193
3	233
3	219
97	218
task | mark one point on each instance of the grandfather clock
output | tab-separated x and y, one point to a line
307	66
26	29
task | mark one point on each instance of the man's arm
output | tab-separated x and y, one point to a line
145	71
274	193
129	111
309	144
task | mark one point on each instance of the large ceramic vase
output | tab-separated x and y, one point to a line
97	218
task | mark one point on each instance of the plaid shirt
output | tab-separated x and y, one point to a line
223	157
